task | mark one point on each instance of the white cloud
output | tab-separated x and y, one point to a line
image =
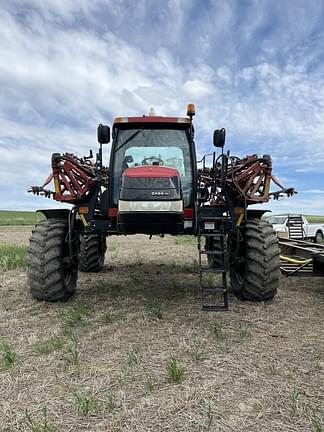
63	70
197	89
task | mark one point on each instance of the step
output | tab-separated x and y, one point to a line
216	308
206	252
214	290
214	234
211	270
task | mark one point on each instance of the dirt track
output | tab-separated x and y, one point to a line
258	367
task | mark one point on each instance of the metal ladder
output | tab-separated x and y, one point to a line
296	227
210	226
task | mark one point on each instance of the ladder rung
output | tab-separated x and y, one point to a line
209	234
213	290
206	252
214	308
211	270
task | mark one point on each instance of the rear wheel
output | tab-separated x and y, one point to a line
51	274
213	244
92	252
319	237
255	265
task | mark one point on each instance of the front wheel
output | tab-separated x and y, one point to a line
51	273
255	263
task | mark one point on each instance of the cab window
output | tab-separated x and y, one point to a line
164	147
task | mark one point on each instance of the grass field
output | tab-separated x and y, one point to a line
12	257
315	219
133	352
18	217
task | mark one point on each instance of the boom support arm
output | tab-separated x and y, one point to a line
73	178
247	180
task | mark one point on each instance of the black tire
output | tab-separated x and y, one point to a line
255	270
50	277
319	237
92	252
214	244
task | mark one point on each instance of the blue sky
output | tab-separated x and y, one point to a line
254	67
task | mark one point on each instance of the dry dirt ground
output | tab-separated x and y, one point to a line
100	361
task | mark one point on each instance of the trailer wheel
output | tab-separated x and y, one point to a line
255	269
214	244
51	275
319	237
92	252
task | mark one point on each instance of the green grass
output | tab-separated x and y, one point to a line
110	402
12	257
8	355
154	309
40	425
18	217
196	352
217	330
175	371
316	421
86	404
315	219
185	240
73	317
71	355
50	345
310	218
149	384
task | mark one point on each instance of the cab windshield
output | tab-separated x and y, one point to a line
153	146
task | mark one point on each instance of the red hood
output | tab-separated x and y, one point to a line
151	171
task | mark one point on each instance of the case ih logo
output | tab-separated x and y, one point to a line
160	193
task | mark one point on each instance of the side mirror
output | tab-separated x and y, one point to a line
219	138
103	134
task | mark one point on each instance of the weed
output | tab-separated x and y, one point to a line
315	420
42	425
196	352
149	384
175	371
121	380
110	402
73	317
217	330
244	332
154	309
71	356
210	417
12	257
294	402
50	345
8	355
225	345
133	357
86	404
107	318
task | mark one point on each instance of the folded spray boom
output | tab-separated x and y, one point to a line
73	178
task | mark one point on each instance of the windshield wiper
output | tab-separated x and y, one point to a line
130	138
